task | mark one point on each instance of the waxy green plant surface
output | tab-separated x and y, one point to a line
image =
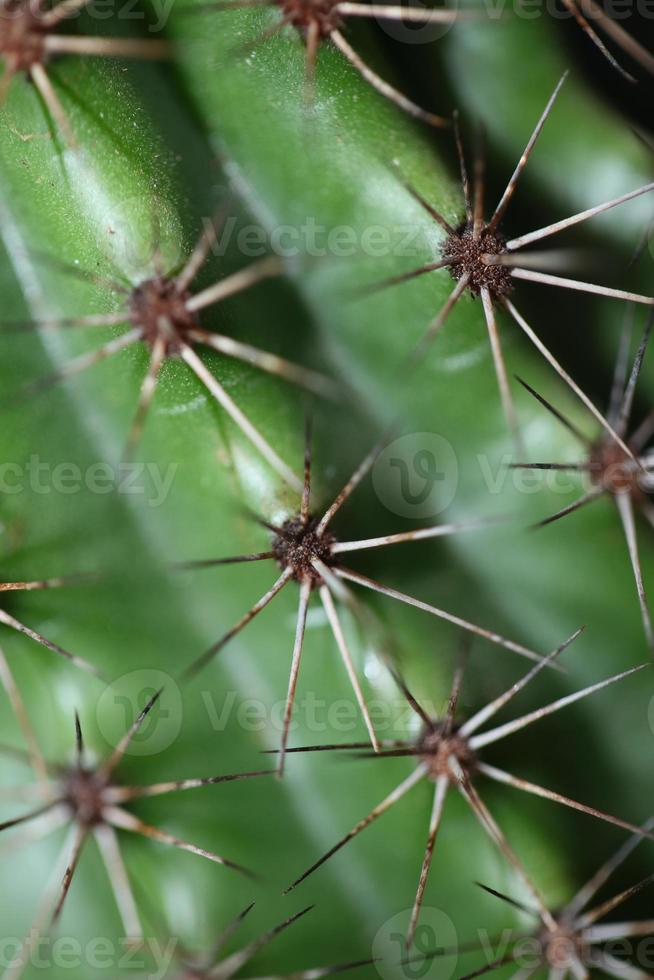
160	148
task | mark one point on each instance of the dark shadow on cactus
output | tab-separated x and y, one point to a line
594	21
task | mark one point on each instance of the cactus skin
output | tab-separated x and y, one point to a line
140	181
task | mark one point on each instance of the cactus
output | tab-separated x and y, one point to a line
230	266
